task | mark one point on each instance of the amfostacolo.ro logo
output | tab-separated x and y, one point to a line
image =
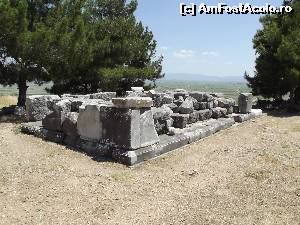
242	8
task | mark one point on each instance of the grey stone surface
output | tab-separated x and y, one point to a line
33	128
193	117
173	107
218	112
226	103
163	112
204	114
137	89
245	102
210	105
203	105
180	120
52	123
37	106
167	99
89	125
133	102
199	96
60	108
187	106
162	118
129	128
69	125
106	96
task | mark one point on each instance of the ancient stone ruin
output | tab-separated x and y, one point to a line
135	128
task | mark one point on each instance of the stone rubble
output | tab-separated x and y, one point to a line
138	127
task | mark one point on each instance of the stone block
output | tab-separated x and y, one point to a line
203	105
52	123
210	105
129	128
137	89
173	107
38	106
187	106
133	102
69	125
167	99
199	96
106	96
180	120
193	117
89	125
245	102
204	114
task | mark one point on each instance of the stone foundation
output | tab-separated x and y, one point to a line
131	130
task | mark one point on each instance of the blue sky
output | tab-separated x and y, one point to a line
216	45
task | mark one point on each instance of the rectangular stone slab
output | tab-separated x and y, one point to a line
133	102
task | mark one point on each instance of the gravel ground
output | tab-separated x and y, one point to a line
248	174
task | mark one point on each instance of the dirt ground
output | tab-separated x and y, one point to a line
248	174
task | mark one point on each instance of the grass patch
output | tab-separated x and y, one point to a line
121	177
7	101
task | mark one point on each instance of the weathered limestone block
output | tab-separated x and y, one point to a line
179	101
156	97
245	102
210	105
38	106
193	117
226	103
61	108
137	89
199	96
133	102
167	99
207	97
203	105
218	112
106	96
162	117
128	128
89	125
54	120
173	107
180	93
69	125
162	113
180	120
204	114
187	106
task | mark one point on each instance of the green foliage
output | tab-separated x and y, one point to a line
82	46
277	47
100	45
20	42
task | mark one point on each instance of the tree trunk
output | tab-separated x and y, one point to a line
22	91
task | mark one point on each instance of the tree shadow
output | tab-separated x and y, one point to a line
282	113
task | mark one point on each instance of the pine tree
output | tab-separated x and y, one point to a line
277	47
99	45
21	38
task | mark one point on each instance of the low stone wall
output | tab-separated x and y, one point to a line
135	128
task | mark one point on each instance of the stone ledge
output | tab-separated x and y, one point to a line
133	102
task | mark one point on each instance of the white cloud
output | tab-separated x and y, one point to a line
228	63
210	53
183	54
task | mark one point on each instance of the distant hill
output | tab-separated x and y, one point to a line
200	77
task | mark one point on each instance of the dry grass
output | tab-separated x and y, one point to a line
7	101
